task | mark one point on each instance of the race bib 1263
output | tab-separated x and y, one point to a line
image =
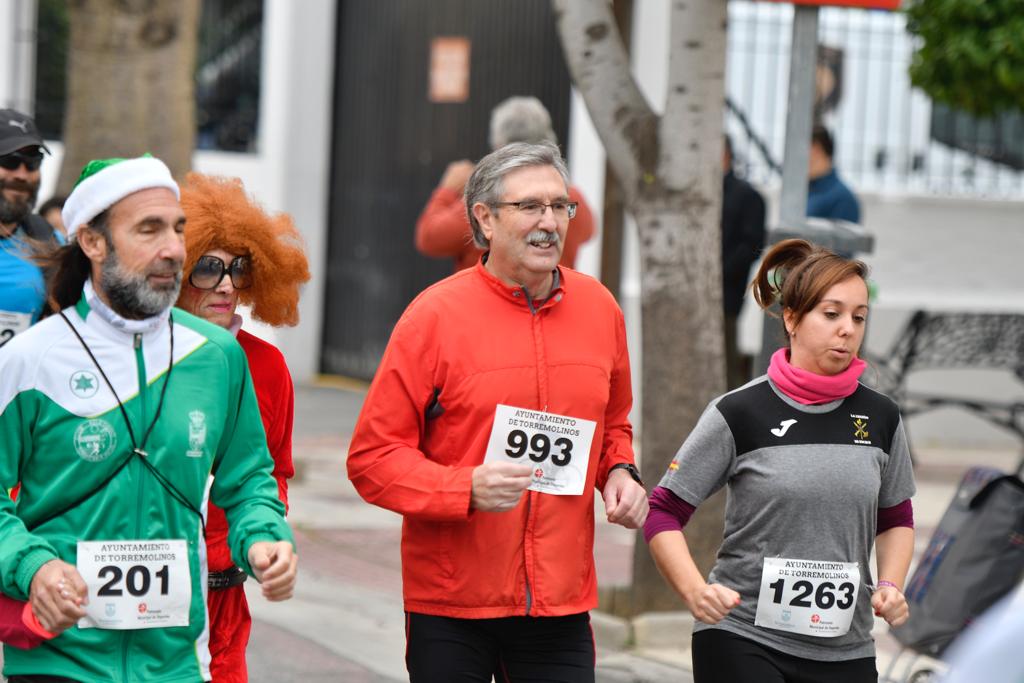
556	446
135	584
808	597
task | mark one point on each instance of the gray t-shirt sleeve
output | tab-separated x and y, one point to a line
898	474
705	461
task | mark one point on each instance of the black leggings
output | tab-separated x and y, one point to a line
723	657
512	649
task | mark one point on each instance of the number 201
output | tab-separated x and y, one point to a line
540	447
136	581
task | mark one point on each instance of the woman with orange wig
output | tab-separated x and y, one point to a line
237	253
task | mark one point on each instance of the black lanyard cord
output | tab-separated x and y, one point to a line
137	449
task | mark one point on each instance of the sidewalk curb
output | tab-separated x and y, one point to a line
662	630
610	632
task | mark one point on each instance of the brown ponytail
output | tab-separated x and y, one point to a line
797	274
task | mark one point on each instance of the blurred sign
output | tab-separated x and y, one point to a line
867	4
449	70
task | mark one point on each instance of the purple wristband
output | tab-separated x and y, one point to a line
883	584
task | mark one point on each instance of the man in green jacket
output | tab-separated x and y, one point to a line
115	413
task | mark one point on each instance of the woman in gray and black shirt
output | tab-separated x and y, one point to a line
817	469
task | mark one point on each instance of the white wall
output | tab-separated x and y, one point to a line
17	54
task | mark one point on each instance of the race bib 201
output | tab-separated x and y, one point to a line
135	584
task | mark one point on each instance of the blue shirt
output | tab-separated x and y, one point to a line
829	197
22	289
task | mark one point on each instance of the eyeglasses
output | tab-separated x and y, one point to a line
535	209
210	271
15	159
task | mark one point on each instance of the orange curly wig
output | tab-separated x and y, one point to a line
219	214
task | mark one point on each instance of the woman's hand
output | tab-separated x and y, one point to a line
711	602
890	604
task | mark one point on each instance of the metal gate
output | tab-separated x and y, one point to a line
391	144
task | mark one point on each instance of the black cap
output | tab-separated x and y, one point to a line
18	130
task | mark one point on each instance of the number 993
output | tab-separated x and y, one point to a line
538	447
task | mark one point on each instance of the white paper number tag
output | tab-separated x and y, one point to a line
557	446
135	584
12	324
808	597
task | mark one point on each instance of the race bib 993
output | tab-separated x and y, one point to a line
556	446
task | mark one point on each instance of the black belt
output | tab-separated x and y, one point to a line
232	576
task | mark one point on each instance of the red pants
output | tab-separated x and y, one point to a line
229	634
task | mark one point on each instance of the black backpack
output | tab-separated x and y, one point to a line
974	558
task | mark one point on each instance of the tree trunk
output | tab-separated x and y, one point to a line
130	83
670	168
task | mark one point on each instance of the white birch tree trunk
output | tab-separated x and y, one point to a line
671	172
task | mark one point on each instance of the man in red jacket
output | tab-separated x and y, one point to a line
500	404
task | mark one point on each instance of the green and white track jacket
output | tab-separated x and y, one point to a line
62	435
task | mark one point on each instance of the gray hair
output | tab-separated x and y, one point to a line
485	185
521	119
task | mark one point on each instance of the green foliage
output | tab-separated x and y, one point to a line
971	55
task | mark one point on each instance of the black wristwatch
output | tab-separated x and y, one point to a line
633	471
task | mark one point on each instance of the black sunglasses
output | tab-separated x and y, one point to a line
15	159
210	270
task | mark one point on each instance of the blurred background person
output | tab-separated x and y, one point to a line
827	195
743	235
236	252
51	209
442	230
22	234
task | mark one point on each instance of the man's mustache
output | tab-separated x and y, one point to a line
20	185
165	269
542	236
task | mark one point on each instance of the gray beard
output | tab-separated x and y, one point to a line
131	295
13	213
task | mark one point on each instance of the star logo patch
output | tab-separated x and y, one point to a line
84	384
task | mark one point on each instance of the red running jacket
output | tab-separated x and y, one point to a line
473	342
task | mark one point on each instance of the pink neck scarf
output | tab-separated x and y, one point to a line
811	388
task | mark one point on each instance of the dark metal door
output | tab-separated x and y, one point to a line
391	145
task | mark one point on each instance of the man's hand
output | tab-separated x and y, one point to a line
498	486
57	594
711	602
625	501
275	566
890	604
457	174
